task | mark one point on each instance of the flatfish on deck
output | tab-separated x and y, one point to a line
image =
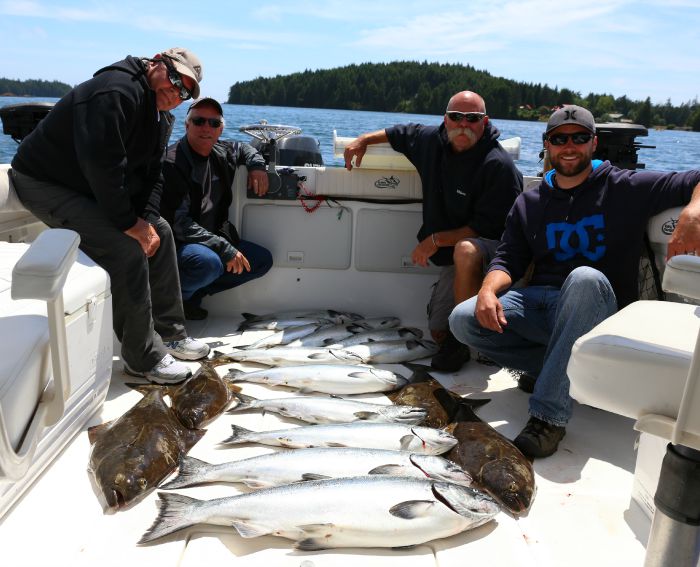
495	464
199	400
133	454
424	391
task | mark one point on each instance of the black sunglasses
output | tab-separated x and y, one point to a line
176	81
577	138
200	120
472	117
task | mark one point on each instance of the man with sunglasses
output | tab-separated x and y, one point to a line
582	230
469	184
93	165
198	173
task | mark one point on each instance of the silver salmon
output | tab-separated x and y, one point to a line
393	436
363	511
298	465
291	356
332	409
336	379
380	335
388	352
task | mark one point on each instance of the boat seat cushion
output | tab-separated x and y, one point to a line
637	361
25	363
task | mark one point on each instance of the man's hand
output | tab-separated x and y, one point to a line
489	311
356	149
145	234
258	182
422	253
237	264
686	236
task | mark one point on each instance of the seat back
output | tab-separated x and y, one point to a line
17	224
682	276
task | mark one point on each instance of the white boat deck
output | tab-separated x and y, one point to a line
582	514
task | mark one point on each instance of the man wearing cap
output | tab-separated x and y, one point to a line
582	229
469	184
198	175
93	165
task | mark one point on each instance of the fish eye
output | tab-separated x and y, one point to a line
143	483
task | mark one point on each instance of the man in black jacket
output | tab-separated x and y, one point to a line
198	175
93	165
469	184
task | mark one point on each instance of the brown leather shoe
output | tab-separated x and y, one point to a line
194	312
539	439
526	382
451	356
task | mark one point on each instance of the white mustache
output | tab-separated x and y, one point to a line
452	134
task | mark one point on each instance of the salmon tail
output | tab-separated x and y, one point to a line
235	375
191	471
245	403
175	512
239	435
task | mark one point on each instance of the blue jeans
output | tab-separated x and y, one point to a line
543	323
203	273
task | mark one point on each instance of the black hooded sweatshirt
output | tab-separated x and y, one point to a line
105	139
475	188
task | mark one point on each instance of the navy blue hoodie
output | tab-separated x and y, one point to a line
601	224
475	188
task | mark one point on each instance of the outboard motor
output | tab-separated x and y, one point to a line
299	151
616	142
18	120
283	145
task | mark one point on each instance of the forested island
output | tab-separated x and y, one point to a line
32	87
424	88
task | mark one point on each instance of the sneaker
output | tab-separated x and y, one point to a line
539	439
451	356
187	349
167	371
194	312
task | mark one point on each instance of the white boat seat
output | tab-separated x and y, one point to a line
644	362
34	394
637	362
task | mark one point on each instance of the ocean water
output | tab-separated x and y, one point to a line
673	150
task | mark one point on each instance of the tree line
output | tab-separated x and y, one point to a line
33	87
425	88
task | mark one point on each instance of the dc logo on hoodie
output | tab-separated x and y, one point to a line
579	238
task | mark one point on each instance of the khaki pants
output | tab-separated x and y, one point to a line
442	300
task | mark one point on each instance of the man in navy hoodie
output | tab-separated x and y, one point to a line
582	229
93	165
469	184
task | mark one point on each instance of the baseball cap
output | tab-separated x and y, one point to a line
186	63
206	100
571	114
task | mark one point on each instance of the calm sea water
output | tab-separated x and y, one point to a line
674	150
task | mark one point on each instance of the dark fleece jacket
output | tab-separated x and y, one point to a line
104	139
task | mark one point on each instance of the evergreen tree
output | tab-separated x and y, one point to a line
425	88
644	113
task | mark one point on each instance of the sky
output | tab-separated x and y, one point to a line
637	48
